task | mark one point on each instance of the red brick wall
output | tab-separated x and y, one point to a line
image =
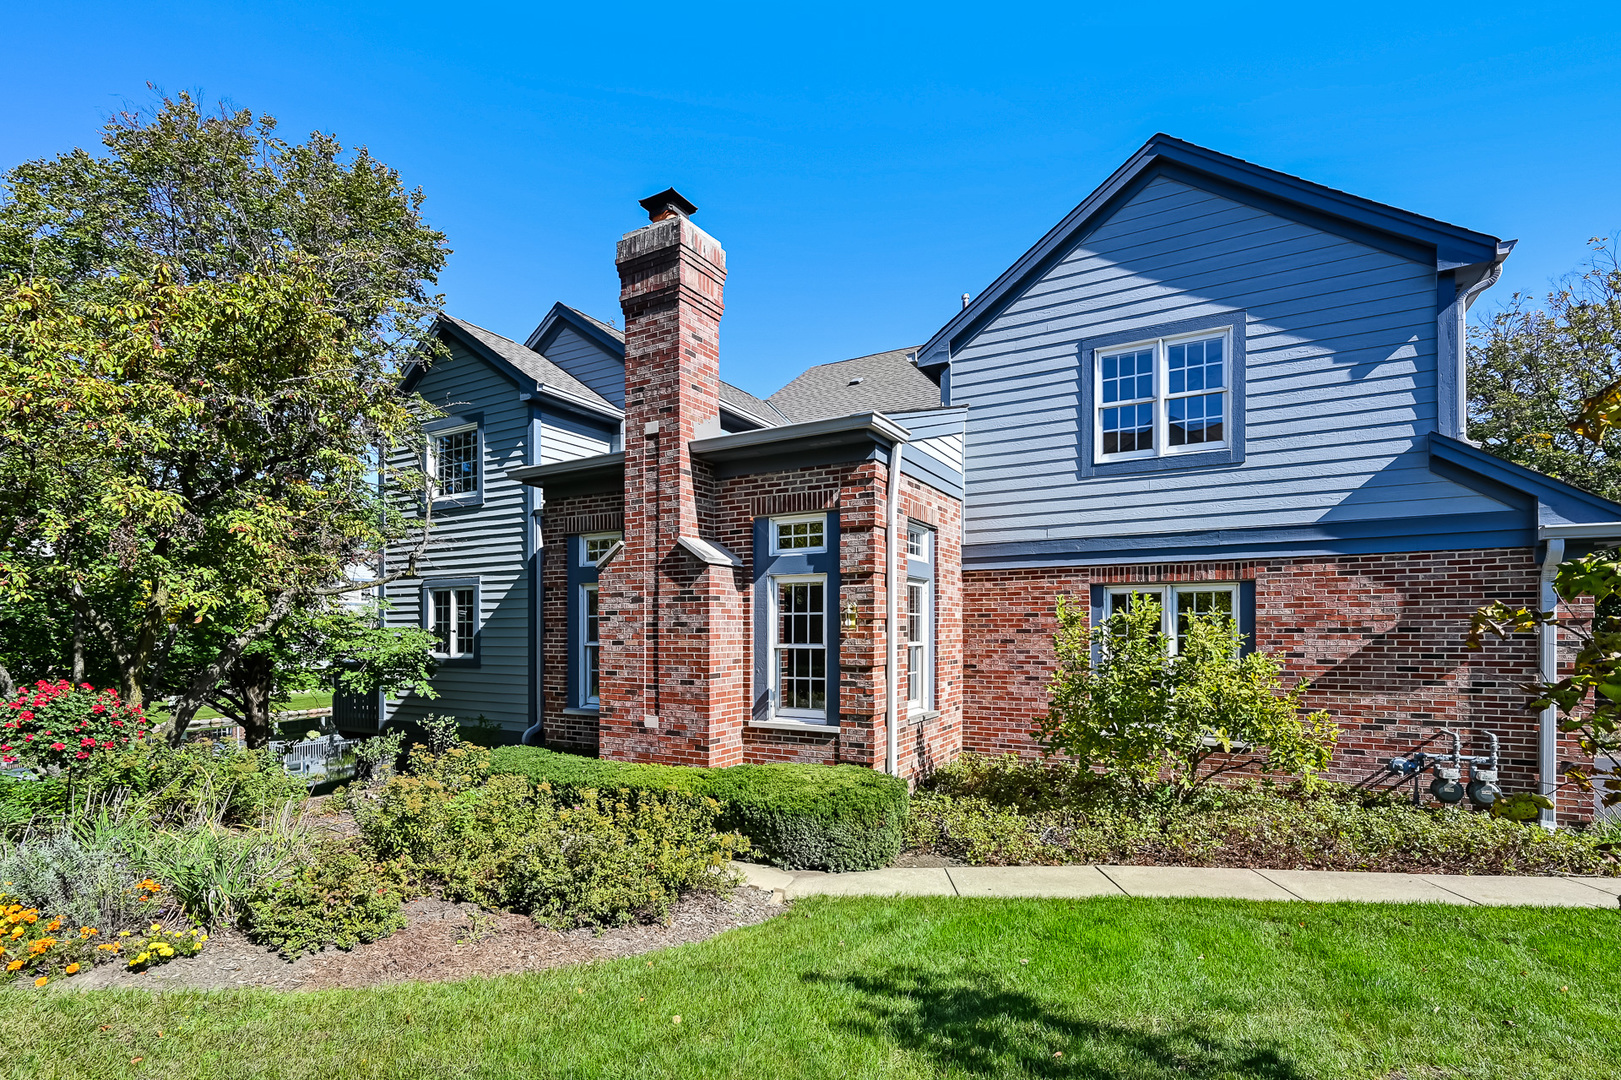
855	491
673	654
561	521
1379	636
926	744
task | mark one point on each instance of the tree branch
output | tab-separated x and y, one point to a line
187	704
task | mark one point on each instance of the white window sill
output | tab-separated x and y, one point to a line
918	716
783	723
588	710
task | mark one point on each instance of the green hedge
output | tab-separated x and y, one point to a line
802	817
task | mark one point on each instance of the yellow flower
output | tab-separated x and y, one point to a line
15	965
123	933
72	969
157	928
41	981
202	937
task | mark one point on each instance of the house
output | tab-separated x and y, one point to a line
1228	387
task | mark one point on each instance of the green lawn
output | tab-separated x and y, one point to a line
1113	988
297	703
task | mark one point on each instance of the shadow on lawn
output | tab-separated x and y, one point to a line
974	1025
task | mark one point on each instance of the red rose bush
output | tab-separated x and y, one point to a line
56	727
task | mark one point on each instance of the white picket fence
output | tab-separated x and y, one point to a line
329	757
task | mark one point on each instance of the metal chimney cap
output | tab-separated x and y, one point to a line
665	203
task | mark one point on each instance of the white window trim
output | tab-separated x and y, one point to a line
774	647
454	635
1166	595
1162	396
927	554
792	519
586	538
433	461
925	701
588	699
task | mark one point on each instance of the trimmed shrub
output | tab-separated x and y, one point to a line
997	811
583	858
802	817
341	898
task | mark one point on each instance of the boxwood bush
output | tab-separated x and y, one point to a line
801	817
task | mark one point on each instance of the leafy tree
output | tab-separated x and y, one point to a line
336	648
1531	367
200	341
1121	702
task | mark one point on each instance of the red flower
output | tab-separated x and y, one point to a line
87	741
58	746
108	745
81	755
29	737
25	715
118	723
85	686
98	708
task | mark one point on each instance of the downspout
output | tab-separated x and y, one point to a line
891	605
1466	297
1547	672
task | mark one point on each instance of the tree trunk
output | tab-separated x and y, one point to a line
78	649
253	677
8	685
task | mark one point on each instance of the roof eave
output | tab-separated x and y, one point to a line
1455	247
833	431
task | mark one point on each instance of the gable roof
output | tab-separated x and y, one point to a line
887	382
1503	480
523	365
1447	247
612	340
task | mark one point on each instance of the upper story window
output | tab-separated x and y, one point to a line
453	461
801	535
1162	397
597	545
1178	603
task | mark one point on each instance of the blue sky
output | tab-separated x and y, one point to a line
863	165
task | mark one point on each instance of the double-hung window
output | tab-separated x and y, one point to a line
1178	603
799	646
918	616
585	616
453	461
590	646
1163	397
453	619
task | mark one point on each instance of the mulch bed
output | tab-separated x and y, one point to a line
441	941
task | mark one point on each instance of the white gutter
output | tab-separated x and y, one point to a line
891	607
1548	671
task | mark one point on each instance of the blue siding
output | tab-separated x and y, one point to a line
935	453
587	361
1341	379
486	542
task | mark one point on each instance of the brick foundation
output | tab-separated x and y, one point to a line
1379	636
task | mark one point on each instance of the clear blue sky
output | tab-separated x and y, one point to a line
863	167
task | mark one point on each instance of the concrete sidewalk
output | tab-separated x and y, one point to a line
1213	882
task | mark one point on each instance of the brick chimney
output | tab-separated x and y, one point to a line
673	619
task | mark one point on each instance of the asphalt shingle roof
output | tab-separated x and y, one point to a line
531	363
882	382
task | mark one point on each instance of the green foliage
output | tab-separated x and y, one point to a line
1536	370
341	898
211	872
199	781
443	732
1120	700
583	859
201	335
821	817
374	755
1006	811
54	728
23	801
1588	696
